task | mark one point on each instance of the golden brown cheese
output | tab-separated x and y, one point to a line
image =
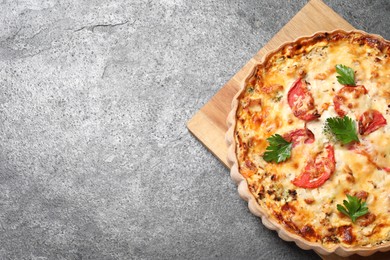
360	171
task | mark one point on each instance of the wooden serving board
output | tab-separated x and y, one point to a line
209	123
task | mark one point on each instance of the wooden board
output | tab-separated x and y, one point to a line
209	123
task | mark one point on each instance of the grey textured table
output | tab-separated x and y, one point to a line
95	158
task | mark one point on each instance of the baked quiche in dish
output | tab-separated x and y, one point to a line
309	142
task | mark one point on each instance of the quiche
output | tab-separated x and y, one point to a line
309	136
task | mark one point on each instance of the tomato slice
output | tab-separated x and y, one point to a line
345	98
318	170
301	101
371	121
299	136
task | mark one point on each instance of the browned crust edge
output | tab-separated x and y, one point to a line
243	189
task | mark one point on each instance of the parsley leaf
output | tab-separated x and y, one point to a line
353	208
344	129
346	75
278	149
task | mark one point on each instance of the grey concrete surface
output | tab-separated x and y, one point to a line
95	158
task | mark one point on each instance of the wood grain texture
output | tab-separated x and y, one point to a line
209	123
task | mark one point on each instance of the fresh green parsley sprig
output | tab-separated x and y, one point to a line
346	75
343	129
278	149
353	208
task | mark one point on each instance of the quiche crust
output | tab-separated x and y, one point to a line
260	109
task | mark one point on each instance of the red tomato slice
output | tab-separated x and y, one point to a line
371	121
299	136
341	99
301	101
317	170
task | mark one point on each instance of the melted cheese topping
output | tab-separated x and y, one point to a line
264	110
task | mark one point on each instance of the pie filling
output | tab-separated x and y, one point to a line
296	96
